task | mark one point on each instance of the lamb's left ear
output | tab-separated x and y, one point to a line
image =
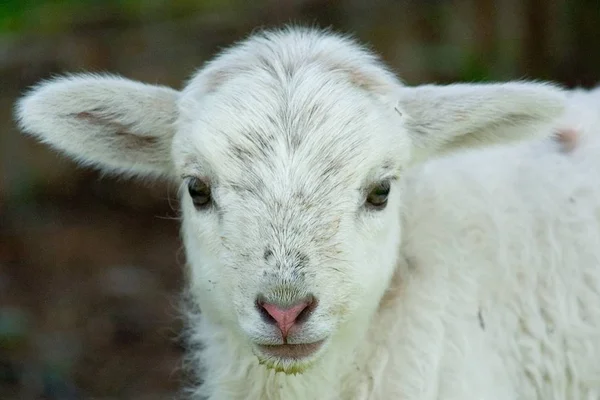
112	123
443	118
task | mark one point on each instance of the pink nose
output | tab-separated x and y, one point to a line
285	318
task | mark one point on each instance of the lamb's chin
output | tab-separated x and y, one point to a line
290	359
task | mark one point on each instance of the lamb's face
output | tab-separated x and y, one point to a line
291	209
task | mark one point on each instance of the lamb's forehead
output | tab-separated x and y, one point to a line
282	52
288	111
315	144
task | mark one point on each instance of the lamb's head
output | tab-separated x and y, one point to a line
290	149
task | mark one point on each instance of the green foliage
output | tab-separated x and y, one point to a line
35	15
474	69
20	16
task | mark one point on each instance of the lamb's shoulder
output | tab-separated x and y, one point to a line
507	218
492	195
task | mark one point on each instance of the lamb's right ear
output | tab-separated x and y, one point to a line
109	122
442	119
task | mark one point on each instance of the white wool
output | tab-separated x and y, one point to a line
479	280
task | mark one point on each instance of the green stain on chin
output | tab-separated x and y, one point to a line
288	369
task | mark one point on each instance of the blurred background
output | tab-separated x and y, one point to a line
91	266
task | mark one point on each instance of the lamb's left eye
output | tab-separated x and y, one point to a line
378	196
199	192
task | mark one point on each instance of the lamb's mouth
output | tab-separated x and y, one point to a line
291	351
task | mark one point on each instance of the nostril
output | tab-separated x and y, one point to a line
311	304
260	302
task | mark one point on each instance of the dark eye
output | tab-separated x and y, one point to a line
378	196
199	192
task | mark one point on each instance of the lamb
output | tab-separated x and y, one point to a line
350	237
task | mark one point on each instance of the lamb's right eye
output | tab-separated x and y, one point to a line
200	193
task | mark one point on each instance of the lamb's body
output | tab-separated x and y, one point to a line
476	277
518	250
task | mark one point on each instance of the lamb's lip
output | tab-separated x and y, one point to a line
291	351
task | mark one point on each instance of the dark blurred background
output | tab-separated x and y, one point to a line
91	266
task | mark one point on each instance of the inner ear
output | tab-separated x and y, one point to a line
98	120
126	132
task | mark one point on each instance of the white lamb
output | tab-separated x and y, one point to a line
328	259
